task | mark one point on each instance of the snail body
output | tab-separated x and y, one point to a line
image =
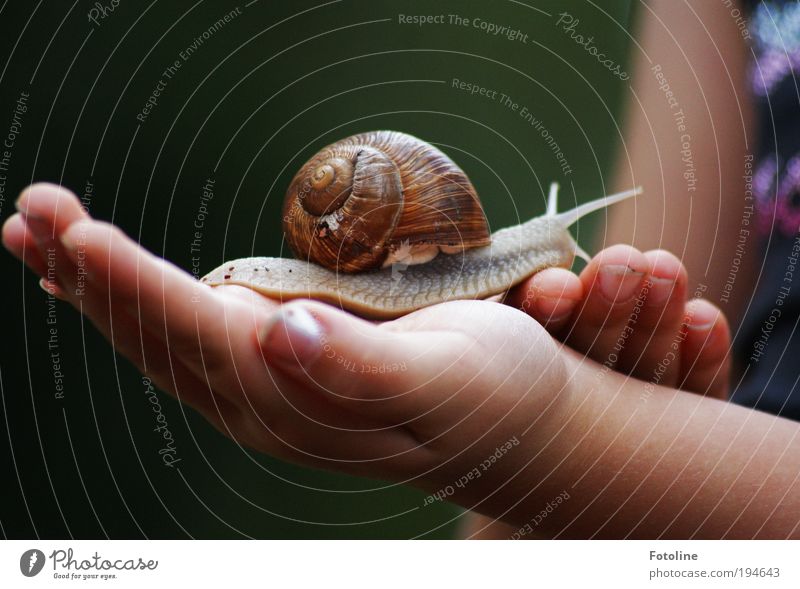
386	272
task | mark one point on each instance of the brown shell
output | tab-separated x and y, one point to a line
367	195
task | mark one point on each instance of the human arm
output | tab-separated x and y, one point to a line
442	390
658	462
700	53
694	200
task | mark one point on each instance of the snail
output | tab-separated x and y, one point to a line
383	224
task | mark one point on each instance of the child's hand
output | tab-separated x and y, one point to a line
629	310
418	399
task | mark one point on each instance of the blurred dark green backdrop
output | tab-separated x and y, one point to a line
256	98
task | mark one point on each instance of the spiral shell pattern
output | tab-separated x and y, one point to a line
368	196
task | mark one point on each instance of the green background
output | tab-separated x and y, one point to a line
247	108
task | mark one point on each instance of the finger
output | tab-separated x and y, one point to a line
292	420
48	209
706	350
550	296
354	361
150	355
46	212
153	359
652	349
612	281
280	415
211	332
398	371
51	203
56	220
77	248
19	241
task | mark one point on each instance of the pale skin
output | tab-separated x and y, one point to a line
637	460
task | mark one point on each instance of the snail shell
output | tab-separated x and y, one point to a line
377	198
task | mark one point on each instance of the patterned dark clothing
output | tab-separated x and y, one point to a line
768	346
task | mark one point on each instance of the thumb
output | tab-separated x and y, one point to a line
381	370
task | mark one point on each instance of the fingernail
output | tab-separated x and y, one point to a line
292	336
618	283
46	287
703	325
52	289
659	291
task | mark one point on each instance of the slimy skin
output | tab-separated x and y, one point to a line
515	254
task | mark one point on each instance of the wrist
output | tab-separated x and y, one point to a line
540	491
518	452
